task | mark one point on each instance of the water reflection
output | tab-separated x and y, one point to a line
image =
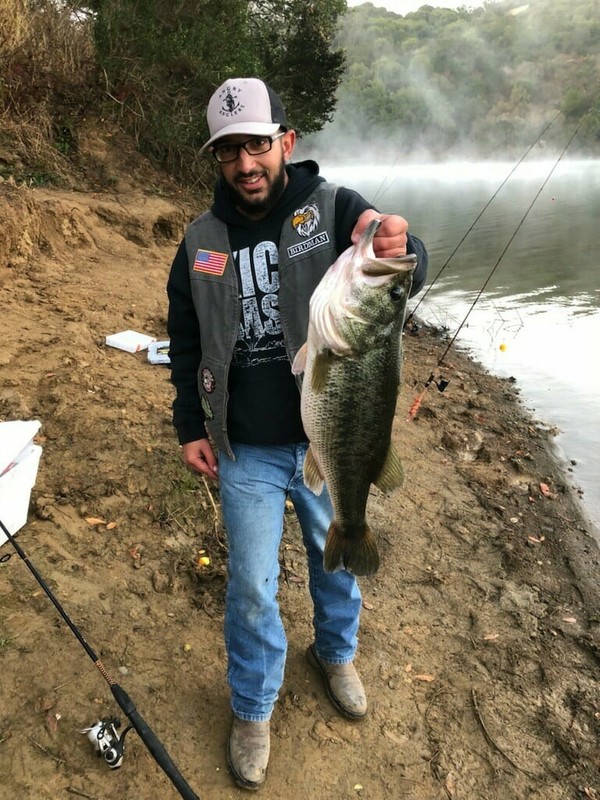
543	299
557	241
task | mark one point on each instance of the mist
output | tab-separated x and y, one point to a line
468	84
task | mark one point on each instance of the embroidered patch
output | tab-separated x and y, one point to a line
206	407
208	380
310	244
306	219
210	261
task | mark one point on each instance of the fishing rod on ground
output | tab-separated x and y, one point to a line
442	382
103	735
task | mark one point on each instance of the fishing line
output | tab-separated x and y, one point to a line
508	244
105	732
376	196
442	383
481	213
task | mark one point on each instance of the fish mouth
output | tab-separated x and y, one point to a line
386	267
373	267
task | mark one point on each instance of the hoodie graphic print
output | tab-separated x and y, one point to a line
260	337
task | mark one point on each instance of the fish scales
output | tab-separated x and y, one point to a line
352	365
349	423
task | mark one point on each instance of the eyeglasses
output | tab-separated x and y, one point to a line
224	153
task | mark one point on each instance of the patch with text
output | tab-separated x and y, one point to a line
310	244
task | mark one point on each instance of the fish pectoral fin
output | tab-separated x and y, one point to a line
313	477
392	473
320	370
299	364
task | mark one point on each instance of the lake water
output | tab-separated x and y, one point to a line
542	303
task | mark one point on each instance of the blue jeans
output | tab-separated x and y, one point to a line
254	489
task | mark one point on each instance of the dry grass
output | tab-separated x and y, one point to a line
47	81
14	25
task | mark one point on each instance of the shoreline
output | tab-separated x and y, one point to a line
540	475
556	451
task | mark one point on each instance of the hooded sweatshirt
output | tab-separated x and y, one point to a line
264	401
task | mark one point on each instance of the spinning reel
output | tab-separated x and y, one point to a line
106	740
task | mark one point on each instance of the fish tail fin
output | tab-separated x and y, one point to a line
355	548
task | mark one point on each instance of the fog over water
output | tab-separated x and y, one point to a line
406	6
542	303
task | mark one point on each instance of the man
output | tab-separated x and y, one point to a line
238	291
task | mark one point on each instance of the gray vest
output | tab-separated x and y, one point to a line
306	250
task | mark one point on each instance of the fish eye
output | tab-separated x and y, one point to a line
396	293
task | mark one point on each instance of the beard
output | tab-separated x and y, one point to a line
259	206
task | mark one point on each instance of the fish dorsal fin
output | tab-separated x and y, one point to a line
320	370
299	364
313	477
392	474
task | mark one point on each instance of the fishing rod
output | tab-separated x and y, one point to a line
442	383
104	734
481	213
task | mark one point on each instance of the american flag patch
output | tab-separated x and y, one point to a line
210	261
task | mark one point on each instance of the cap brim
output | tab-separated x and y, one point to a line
250	129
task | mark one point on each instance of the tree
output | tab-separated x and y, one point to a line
298	58
486	78
162	59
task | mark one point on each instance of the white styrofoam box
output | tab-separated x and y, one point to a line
130	341
15	436
15	490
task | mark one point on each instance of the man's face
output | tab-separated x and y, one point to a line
257	182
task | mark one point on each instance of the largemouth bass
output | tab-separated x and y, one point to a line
351	363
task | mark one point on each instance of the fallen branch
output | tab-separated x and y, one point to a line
493	743
47	752
217	516
79	793
210	497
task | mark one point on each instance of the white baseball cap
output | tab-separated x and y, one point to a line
244	105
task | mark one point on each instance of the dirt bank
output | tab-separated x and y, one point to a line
480	633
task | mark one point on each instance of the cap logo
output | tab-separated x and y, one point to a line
230	105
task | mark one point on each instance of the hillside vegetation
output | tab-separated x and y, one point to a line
143	70
139	73
481	82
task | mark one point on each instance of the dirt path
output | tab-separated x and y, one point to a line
480	634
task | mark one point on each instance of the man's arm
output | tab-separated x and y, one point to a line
185	352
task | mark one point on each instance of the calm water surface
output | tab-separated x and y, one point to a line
542	302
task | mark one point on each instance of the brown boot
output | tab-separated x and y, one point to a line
342	684
248	752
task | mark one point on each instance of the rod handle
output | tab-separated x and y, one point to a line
157	750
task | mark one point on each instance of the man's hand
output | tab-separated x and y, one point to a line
200	456
390	239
